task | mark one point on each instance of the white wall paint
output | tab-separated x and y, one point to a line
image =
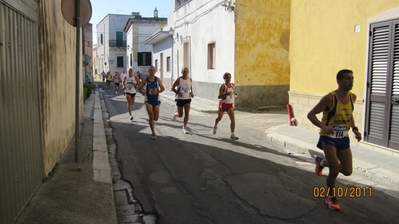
108	27
143	30
198	24
164	48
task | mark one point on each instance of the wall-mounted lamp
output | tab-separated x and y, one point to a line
229	5
171	31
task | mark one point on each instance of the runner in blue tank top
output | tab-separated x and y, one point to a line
153	88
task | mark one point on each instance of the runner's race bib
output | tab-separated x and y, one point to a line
129	85
152	91
340	132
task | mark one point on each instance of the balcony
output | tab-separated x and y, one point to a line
117	43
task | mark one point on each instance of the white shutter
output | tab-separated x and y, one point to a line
394	118
379	57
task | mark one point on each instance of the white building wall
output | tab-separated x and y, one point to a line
140	31
146	30
129	49
102	28
198	24
164	48
107	55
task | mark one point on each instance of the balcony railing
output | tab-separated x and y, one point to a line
117	43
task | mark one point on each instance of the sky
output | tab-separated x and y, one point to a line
100	8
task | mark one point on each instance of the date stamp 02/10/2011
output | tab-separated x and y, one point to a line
342	192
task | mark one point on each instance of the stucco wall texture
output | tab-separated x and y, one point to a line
323	41
262	68
57	75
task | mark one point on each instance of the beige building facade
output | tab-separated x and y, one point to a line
262	68
358	35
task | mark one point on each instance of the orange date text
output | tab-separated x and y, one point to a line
343	192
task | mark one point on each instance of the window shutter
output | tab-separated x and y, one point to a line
380	50
379	53
148	58
140	59
394	119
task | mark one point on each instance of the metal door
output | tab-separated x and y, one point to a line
21	161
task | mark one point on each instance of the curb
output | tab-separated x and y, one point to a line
101	166
128	209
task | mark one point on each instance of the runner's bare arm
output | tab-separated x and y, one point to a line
162	88
221	92
140	89
176	83
323	105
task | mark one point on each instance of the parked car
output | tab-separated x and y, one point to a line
87	79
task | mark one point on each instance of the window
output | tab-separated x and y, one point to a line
144	59
119	39
211	56
119	62
101	38
156	65
168	64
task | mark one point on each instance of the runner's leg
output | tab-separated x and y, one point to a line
150	116
332	162
345	158
186	114
230	112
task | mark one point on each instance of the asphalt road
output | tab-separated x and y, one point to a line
204	178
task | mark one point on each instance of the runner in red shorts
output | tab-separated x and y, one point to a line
226	104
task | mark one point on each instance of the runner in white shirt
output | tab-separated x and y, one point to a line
123	75
184	93
129	86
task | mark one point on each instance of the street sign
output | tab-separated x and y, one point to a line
68	11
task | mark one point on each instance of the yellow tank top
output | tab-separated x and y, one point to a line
338	117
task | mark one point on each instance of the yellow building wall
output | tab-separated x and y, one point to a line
57	71
262	69
324	41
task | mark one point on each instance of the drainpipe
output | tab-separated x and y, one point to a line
173	41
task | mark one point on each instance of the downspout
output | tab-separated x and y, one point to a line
173	41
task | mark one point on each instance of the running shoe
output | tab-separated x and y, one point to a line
174	116
233	137
319	167
332	203
153	137
131	118
214	130
184	130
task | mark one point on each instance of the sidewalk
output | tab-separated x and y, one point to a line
79	192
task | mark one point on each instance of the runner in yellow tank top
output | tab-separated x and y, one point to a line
338	117
337	120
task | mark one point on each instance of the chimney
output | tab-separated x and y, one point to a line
136	15
155	13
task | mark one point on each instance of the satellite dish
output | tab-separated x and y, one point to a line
68	11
